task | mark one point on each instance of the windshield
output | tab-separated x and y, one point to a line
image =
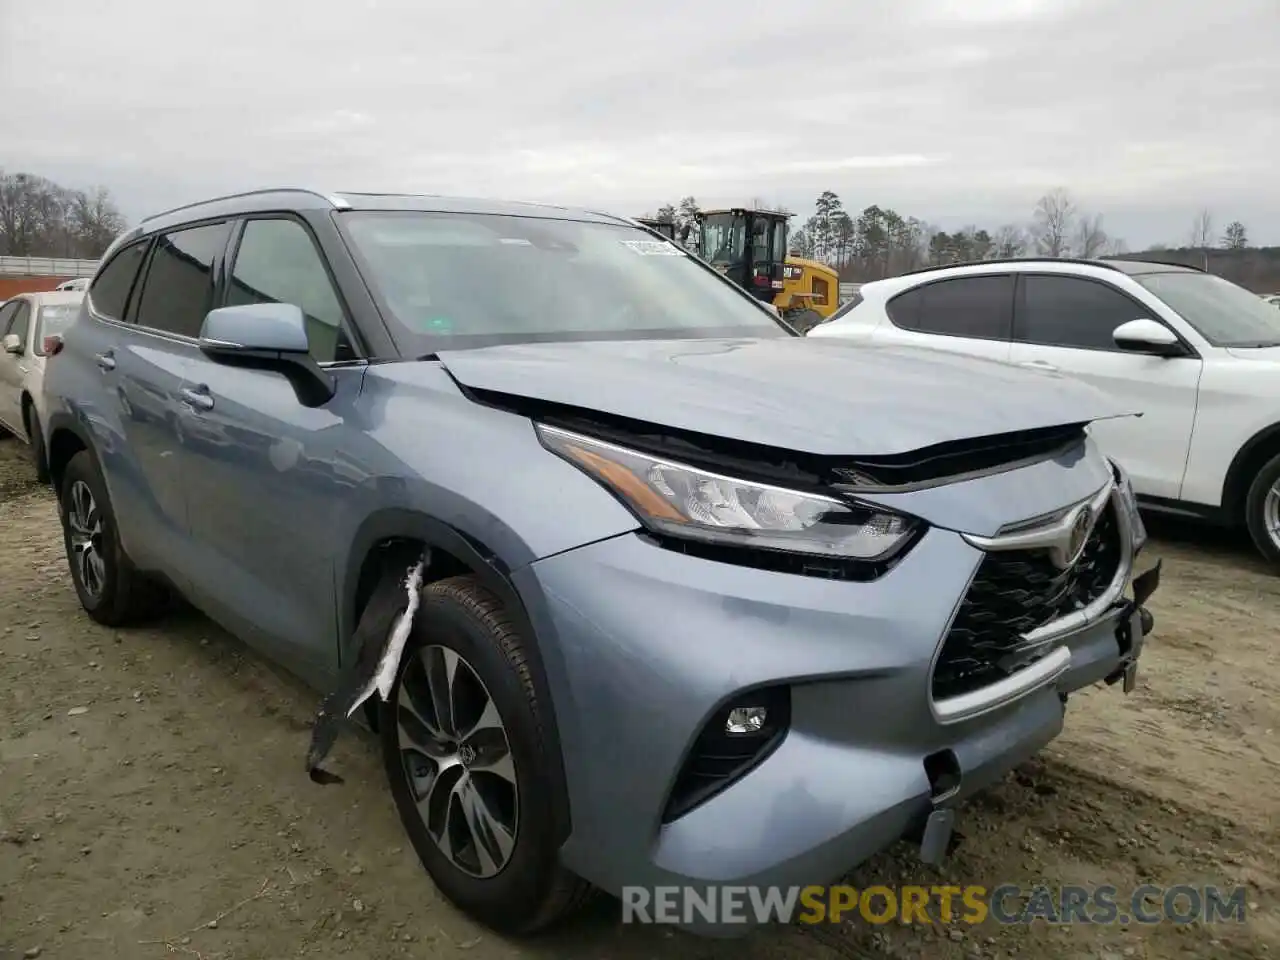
53	320
723	237
472	280
1223	313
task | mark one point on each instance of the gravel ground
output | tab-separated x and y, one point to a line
152	801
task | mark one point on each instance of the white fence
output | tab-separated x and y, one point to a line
46	267
847	290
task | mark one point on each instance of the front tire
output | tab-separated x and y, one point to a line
111	590
466	758
1262	511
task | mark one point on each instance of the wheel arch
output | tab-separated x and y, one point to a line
388	543
1249	459
66	439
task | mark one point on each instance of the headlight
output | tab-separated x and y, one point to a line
685	501
1129	507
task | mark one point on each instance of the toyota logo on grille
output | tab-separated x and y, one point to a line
467	754
1073	544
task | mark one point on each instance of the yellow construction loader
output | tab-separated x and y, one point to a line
749	246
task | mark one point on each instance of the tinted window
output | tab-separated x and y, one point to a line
975	307
110	291
177	291
278	263
1072	312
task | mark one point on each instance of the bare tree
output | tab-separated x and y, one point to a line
41	218
1091	239
1051	224
1235	237
1202	230
1010	241
95	219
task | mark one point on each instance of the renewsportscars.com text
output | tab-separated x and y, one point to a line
972	904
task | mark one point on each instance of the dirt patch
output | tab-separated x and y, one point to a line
154	804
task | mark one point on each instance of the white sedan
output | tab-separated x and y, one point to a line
25	321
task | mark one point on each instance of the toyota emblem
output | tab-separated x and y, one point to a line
1079	535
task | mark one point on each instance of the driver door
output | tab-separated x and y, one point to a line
15	317
1064	324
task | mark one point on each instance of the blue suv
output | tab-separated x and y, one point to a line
635	585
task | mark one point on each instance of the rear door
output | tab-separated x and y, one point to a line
147	366
971	315
11	368
1065	324
267	476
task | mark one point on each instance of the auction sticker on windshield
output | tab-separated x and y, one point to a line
653	248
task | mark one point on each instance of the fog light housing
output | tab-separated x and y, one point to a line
734	740
746	720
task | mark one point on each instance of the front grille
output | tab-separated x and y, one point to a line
1013	593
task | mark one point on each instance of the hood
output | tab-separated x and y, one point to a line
1265	354
823	397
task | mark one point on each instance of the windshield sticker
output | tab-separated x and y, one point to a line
653	248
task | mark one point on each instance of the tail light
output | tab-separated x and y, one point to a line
762	280
52	346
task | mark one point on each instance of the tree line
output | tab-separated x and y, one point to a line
881	242
40	218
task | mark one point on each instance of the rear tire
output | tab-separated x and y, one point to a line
110	588
1262	511
32	423
446	777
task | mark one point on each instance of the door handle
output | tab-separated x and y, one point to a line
196	399
1039	365
106	361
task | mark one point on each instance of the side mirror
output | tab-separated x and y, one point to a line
1149	337
267	336
13	344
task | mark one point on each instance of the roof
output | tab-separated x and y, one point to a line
303	199
758	211
49	298
812	264
1131	267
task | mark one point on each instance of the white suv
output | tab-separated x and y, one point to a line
1196	355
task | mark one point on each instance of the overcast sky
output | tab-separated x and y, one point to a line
954	111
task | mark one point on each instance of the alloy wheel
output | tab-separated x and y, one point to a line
84	520
1271	513
457	759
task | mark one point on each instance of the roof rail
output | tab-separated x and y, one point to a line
1137	258
337	202
998	260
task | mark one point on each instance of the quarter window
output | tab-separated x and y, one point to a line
177	292
1072	312
979	308
278	263
109	295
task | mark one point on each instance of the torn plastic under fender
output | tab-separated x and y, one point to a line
379	645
